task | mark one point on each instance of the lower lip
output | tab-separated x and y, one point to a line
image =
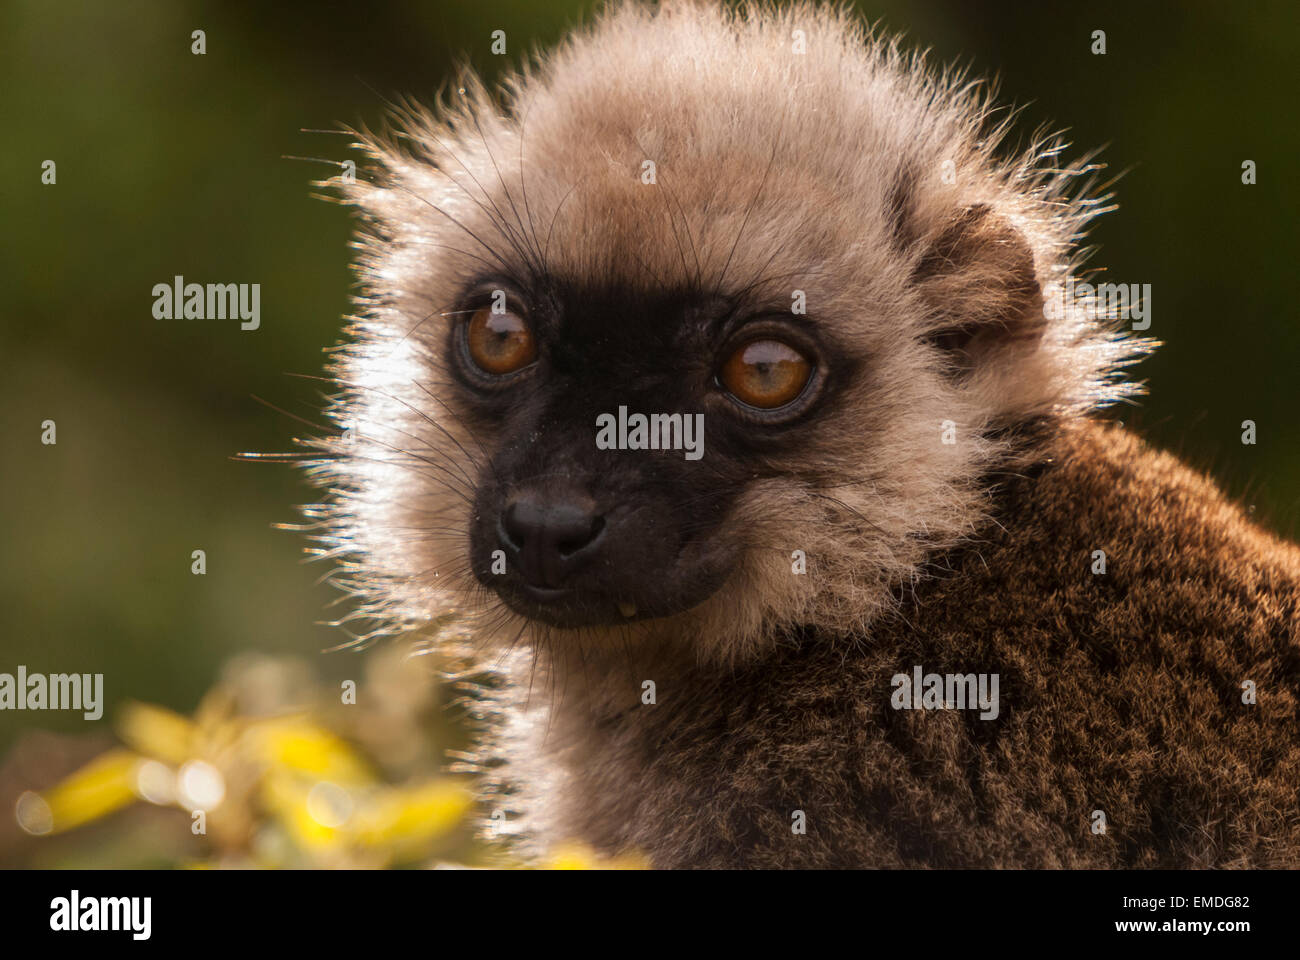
549	601
546	594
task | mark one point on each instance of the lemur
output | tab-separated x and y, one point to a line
776	223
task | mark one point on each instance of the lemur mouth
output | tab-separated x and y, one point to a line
567	607
545	594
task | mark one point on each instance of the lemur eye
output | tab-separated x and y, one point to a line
500	343
766	374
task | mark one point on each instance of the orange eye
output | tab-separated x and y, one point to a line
500	343
766	374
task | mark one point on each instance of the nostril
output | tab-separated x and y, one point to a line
574	539
512	530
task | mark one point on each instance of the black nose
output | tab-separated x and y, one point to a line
548	536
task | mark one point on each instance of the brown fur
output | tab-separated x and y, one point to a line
1120	692
874	184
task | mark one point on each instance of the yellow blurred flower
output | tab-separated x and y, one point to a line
157	732
287	774
102	786
294	743
577	856
274	787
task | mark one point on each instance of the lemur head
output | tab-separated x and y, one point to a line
710	324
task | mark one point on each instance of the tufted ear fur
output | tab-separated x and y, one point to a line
978	281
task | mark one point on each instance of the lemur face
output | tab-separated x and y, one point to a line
627	421
691	335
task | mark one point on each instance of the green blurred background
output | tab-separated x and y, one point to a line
171	163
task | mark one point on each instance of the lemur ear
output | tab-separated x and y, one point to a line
978	280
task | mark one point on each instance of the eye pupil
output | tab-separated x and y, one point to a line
500	343
766	374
